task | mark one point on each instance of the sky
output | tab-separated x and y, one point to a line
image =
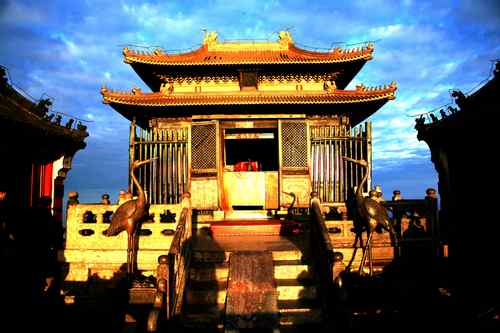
67	50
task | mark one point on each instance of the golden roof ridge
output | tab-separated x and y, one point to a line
213	52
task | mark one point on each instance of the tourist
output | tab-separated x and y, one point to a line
430	193
396	195
122	197
73	198
105	199
378	190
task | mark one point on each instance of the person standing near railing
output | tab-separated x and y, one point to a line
105	199
431	204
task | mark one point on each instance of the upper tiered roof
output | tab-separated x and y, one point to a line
214	55
213	52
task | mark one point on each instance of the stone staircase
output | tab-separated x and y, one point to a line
205	295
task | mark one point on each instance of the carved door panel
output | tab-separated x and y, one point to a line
204	148
294	162
204	162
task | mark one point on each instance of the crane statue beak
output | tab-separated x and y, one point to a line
139	163
361	162
349	159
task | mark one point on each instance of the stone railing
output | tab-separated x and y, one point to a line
328	263
89	252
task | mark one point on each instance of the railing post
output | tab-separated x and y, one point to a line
161	304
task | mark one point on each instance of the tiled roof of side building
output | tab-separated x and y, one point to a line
283	51
360	95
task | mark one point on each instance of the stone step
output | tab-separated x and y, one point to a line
209	272
283	269
295	282
287	255
205	297
301	328
208	284
219	257
246	215
301	316
296	292
288	319
202	315
291	269
285	293
299	304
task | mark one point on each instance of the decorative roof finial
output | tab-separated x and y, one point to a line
104	89
285	37
210	38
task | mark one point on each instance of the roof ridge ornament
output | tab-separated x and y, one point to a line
285	37
360	87
210	38
393	86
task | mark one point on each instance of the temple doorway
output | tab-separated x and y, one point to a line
251	166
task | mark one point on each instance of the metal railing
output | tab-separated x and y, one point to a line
331	175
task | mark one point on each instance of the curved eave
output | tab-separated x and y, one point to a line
359	103
241	98
35	138
204	57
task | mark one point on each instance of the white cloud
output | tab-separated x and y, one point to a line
386	31
69	51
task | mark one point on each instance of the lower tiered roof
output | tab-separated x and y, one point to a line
144	105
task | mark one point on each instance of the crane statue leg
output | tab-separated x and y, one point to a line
355	245
370	258
365	251
130	249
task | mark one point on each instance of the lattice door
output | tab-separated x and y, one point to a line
204	148
294	151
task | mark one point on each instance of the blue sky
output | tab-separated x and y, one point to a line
69	49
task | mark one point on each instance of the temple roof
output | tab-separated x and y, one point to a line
25	131
282	55
284	51
128	101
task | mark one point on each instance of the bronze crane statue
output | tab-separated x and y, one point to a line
371	215
128	216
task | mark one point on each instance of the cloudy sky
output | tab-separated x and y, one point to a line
68	49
